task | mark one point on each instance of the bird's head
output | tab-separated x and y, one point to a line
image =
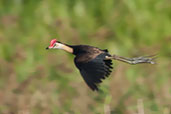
54	44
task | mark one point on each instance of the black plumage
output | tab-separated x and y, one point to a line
93	63
94	70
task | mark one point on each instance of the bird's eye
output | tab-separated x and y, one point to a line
54	45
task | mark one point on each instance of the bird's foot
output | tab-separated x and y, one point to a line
136	60
143	59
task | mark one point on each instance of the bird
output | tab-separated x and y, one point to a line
95	64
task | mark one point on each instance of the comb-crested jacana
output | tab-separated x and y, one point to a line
93	63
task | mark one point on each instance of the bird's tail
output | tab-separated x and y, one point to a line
135	60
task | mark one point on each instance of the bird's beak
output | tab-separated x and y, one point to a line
50	47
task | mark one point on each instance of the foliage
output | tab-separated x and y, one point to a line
34	80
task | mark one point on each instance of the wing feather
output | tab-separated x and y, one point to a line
93	71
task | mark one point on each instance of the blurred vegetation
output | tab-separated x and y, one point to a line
33	80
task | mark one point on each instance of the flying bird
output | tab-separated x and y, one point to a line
93	63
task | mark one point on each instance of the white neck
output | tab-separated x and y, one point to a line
64	47
68	49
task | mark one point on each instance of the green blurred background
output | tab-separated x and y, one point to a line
36	81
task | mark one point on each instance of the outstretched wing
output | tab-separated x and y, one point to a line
94	70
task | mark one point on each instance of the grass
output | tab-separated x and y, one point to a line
33	80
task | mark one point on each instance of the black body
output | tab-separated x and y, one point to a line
92	64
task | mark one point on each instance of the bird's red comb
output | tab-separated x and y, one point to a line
52	42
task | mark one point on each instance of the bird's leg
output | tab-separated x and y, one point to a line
136	60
